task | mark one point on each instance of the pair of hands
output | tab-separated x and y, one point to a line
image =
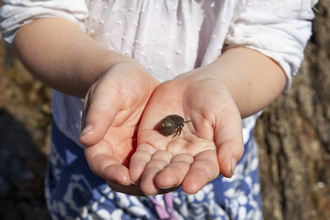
123	143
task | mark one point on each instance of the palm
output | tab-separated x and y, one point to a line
121	138
114	152
191	159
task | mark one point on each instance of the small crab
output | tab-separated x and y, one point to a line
172	124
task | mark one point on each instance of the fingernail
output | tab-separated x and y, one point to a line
153	194
136	184
233	166
86	130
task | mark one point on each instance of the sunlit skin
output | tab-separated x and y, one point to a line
124	105
165	162
198	155
210	145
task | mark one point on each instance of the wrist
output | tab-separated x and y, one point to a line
252	79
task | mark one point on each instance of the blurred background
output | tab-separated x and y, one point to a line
293	136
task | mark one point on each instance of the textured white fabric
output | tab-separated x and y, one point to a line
276	28
16	13
170	37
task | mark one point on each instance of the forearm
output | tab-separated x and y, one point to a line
253	79
61	55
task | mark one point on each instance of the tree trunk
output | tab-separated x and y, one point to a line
294	136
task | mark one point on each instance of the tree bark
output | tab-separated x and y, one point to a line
294	136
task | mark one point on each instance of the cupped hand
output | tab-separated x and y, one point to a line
112	111
210	144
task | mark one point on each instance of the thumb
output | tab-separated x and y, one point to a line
229	141
101	105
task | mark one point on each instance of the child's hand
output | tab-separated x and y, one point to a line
214	98
112	111
209	145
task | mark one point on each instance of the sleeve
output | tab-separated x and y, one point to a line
16	13
278	29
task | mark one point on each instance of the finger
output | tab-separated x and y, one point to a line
102	162
204	169
139	160
174	173
117	173
110	169
229	141
157	163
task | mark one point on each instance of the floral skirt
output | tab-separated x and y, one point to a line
74	192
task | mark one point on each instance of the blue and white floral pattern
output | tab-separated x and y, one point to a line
74	192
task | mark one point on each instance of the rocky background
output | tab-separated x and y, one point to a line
293	136
25	118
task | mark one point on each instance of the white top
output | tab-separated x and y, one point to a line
172	37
